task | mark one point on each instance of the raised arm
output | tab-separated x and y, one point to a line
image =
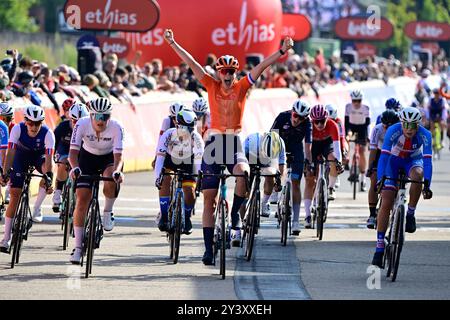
198	70
259	69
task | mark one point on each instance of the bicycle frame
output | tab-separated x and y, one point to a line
285	204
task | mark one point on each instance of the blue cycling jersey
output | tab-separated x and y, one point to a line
397	145
3	136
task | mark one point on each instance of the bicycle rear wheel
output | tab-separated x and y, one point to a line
321	210
177	229
223	240
19	226
92	225
399	240
254	208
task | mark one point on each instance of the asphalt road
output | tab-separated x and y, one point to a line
133	260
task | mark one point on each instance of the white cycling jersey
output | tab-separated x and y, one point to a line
181	150
110	140
377	137
357	116
166	125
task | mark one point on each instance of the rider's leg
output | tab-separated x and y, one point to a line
362	163
189	203
209	207
310	182
383	221
373	194
415	173
239	194
164	199
61	177
109	190
10	212
79	215
333	172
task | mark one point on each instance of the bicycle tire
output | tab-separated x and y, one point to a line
399	238
354	174
253	221
66	212
18	225
223	240
177	230
286	215
92	220
321	210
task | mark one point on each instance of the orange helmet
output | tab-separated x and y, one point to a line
227	62
67	104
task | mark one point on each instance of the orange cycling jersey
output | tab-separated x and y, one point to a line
227	106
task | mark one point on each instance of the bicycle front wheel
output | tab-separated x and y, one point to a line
399	237
223	237
321	210
286	215
252	225
177	229
92	225
19	225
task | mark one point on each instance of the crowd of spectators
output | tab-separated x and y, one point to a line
23	77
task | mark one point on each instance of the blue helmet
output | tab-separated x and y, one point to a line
393	104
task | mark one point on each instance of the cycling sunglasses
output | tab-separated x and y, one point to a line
410	125
101	116
34	123
295	115
356	101
320	121
228	71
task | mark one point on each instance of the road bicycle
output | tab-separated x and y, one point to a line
93	227
284	207
354	177
222	227
396	235
319	207
23	221
252	216
66	209
176	212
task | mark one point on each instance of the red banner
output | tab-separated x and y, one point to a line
296	26
239	28
360	29
432	46
426	30
113	15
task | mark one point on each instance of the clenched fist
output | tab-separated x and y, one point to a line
168	35
288	43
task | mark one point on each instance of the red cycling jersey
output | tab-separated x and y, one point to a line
331	130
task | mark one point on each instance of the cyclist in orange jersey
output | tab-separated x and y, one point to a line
226	97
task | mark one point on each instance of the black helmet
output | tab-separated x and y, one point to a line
25	77
389	117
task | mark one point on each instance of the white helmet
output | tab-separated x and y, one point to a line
356	95
34	113
301	108
410	115
6	110
271	145
175	108
100	105
78	111
200	106
186	120
332	111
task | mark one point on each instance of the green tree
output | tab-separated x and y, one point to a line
14	15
